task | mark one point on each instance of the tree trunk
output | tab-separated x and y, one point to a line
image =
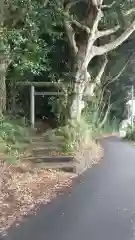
3	69
81	80
2	94
78	103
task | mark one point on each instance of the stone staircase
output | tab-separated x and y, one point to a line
42	155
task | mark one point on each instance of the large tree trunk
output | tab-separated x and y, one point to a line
85	87
82	78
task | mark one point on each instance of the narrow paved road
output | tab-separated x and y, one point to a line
100	207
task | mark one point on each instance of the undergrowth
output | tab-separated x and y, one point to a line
91	126
74	134
14	138
77	133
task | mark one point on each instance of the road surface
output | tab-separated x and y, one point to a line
100	207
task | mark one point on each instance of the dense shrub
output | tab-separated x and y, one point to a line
130	134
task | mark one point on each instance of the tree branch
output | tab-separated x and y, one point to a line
131	11
96	51
81	26
68	27
45	3
101	71
91	88
70	18
105	116
92	39
1	12
71	36
121	71
108	6
107	32
96	4
107	111
70	4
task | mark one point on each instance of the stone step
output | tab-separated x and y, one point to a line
68	167
45	149
50	159
47	139
56	138
46	153
53	145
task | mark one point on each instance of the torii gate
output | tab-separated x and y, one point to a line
34	93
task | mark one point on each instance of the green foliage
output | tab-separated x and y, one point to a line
74	133
95	110
94	115
27	30
11	130
14	138
21	37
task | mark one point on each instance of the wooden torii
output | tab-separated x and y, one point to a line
34	93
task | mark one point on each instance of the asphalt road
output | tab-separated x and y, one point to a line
101	206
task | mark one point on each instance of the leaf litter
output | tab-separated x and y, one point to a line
23	187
